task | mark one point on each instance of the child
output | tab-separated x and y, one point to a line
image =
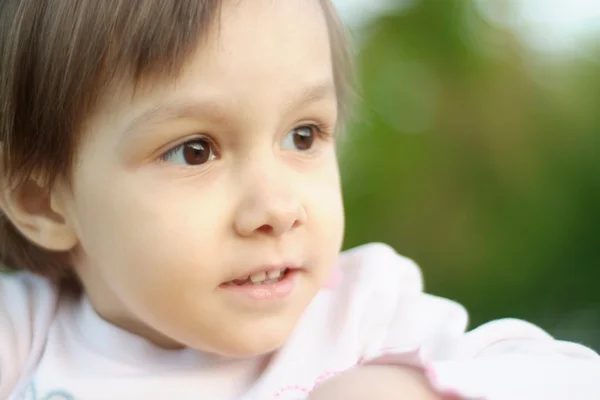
170	182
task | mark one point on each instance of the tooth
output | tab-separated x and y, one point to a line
274	274
258	277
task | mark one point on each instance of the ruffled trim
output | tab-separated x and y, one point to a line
417	359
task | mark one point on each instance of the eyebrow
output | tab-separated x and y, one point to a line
216	110
311	94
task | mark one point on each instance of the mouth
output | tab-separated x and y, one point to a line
270	286
267	277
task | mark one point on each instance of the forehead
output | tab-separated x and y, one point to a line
263	44
261	48
288	28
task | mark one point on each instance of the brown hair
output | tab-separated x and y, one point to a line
58	59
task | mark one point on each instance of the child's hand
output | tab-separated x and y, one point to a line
377	382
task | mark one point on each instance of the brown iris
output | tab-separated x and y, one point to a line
196	152
303	138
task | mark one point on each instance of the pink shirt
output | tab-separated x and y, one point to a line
54	348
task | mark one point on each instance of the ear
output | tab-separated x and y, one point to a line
39	214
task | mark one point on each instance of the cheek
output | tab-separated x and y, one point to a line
133	234
326	211
140	232
330	193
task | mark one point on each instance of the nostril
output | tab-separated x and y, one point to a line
266	229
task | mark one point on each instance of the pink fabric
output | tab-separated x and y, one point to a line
374	313
415	359
335	279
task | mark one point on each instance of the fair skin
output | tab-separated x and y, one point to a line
188	185
379	382
159	233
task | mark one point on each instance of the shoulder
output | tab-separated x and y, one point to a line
379	266
25	299
383	292
24	284
376	271
28	305
391	319
386	290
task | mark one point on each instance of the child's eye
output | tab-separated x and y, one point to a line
300	139
192	152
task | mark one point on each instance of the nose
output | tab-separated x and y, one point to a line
269	207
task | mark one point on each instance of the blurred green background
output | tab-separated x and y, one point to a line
478	156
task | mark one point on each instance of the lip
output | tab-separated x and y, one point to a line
264	268
264	292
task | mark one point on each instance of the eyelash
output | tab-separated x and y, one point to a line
322	131
173	149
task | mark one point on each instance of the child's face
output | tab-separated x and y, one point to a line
161	233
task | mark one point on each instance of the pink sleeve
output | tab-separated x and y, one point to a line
27	306
505	359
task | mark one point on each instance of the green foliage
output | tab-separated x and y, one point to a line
480	160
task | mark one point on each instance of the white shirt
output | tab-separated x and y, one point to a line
54	348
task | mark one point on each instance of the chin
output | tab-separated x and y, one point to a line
248	347
254	343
